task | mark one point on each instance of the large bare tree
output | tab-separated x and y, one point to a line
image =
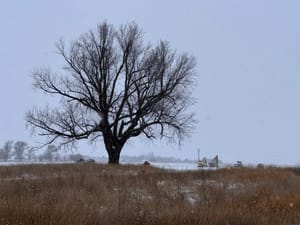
115	87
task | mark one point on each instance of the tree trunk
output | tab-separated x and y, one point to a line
113	157
113	148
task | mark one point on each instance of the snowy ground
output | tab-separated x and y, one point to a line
176	166
164	165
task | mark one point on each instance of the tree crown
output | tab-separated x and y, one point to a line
116	87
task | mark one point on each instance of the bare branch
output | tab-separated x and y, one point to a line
115	87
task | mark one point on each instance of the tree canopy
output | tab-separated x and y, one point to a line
115	87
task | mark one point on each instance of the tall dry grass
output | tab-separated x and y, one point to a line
104	195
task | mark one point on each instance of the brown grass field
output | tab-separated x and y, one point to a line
86	194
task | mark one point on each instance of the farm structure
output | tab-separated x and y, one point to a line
205	162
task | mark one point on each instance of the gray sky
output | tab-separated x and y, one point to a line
248	62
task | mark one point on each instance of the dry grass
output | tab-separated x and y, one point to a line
100	194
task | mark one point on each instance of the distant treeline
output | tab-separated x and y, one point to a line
22	151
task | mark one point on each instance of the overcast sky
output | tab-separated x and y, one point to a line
248	66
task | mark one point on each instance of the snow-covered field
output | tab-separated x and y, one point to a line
176	166
11	163
164	165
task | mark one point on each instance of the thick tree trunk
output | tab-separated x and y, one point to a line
113	148
113	157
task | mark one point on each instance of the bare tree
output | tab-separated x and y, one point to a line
49	154
30	153
6	150
19	149
115	87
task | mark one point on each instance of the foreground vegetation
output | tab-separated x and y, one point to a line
84	194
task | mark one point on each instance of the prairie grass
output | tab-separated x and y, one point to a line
85	194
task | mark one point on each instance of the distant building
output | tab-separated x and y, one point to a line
202	163
214	162
90	161
81	160
238	164
260	165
